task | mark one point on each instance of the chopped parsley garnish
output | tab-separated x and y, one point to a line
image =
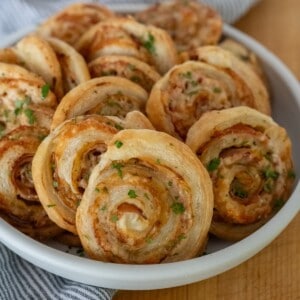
45	91
118	126
217	90
118	167
240	192
268	173
149	43
146	196
114	218
132	194
97	190
21	107
187	75
213	164
30	116
103	208
177	208
51	205
118	144
149	240
55	184
170	183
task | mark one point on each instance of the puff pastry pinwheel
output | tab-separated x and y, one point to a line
64	160
250	87
25	99
73	66
188	90
249	160
40	58
190	23
19	203
70	23
246	55
125	36
149	200
113	96
124	66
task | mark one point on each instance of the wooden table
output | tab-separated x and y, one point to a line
274	273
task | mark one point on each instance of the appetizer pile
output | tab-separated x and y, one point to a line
137	137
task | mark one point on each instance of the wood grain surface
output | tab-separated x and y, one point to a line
274	273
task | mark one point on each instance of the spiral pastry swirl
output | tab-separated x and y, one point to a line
124	66
25	99
188	90
250	87
110	96
65	159
190	23
71	22
127	37
249	160
19	203
144	203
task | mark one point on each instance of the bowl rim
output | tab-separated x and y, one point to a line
157	276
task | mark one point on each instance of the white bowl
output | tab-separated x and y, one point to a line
222	255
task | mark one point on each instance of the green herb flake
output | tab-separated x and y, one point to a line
146	196
45	91
30	116
149	43
118	167
149	240
170	183
269	173
97	190
217	90
118	144
118	126
55	183
213	164
158	161
187	75
103	208
240	192
114	218
268	186
177	208
51	205
132	194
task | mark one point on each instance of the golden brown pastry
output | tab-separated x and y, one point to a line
19	203
249	160
125	36
246	55
114	96
149	200
251	88
25	99
40	58
124	66
190	23
73	66
70	23
10	56
188	90
65	159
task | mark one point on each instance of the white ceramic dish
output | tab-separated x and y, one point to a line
222	255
